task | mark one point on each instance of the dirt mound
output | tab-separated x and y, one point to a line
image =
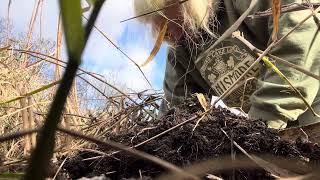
184	147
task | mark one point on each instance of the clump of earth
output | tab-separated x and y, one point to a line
188	145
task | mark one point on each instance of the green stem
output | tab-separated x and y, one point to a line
46	139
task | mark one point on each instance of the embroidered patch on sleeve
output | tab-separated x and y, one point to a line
225	64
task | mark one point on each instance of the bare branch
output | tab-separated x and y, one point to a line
284	9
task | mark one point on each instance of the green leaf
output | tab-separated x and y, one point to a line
270	65
74	31
32	92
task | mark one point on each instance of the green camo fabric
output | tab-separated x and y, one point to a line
264	94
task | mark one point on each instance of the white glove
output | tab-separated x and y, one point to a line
221	104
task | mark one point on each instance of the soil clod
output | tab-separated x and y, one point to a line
184	147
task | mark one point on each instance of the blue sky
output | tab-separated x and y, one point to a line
100	56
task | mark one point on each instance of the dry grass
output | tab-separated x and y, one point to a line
94	106
91	108
16	79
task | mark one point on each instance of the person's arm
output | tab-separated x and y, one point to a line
179	80
274	100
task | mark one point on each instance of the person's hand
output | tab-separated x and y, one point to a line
276	124
221	104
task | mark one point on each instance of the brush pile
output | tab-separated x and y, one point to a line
186	146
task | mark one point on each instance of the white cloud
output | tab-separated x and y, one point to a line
21	12
100	55
112	13
133	77
132	38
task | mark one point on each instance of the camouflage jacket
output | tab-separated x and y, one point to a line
263	94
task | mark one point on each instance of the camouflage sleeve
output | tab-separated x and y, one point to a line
179	80
274	100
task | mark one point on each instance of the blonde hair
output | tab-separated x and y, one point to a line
195	13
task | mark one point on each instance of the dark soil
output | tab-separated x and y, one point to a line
184	147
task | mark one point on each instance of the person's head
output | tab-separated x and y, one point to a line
188	17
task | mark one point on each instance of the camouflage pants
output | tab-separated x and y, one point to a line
304	119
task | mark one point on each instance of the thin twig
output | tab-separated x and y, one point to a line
117	122
86	72
15	135
119	114
121	51
231	88
44	149
298	93
298	25
284	9
315	17
46	139
11	163
65	114
31	25
276	58
59	169
154	11
131	151
20	109
272	168
97	89
280	74
78	75
232	28
264	53
154	137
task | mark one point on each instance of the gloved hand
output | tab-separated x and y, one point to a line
276	124
221	104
